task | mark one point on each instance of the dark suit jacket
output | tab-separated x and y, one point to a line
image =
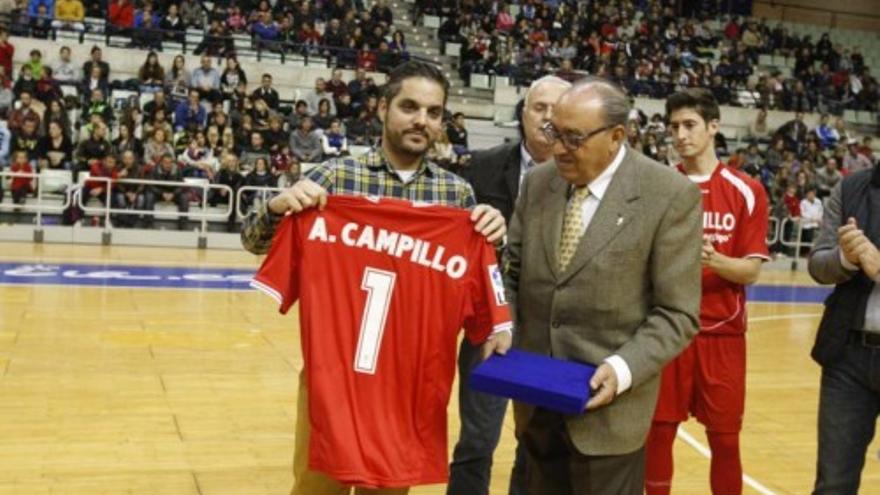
494	175
857	196
631	289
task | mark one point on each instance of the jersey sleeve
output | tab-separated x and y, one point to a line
754	225
277	277
488	310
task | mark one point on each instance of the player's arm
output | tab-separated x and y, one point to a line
744	271
743	265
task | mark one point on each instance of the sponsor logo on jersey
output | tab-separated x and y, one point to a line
497	284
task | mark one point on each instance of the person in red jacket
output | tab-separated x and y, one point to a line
792	202
793	208
7	51
21	186
121	14
104	169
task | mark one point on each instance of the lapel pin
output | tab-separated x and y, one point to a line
619	221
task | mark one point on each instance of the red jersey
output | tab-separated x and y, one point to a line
735	220
384	287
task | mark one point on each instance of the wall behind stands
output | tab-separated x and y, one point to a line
851	14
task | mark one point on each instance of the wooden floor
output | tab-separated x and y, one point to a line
193	392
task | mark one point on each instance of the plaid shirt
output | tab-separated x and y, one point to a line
369	174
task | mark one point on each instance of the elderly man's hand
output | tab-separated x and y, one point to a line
498	343
489	222
604	387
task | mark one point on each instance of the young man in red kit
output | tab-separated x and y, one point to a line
708	379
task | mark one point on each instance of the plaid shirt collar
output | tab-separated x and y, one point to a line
375	160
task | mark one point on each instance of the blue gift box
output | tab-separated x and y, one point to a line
554	384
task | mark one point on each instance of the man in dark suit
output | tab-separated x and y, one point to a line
794	132
847	255
267	92
495	175
602	266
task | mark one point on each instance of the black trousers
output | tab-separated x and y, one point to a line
555	466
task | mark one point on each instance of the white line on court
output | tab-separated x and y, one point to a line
702	449
794	316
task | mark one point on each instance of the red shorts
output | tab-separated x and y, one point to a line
707	380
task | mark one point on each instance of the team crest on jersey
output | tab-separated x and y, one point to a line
497	284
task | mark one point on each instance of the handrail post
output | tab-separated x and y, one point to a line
797	245
38	229
203	231
107	235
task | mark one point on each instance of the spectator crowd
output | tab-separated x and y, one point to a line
217	123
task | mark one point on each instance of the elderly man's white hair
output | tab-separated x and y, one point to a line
549	79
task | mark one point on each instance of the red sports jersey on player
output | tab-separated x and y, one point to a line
384	287
735	219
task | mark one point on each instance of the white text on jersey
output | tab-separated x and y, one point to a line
394	244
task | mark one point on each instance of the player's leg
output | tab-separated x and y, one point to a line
481	418
725	474
660	462
849	404
719	404
673	407
306	481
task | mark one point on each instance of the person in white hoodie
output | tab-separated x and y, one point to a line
811	217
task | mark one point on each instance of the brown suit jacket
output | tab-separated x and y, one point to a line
631	289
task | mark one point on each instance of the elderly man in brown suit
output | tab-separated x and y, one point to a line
602	267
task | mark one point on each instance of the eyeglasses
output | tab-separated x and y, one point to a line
570	140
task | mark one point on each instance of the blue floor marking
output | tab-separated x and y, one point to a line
141	276
124	276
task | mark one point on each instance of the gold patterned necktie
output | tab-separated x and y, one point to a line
572	226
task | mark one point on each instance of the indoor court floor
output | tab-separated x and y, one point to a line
158	371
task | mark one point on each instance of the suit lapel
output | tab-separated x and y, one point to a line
614	214
552	213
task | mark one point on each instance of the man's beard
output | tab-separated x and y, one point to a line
400	145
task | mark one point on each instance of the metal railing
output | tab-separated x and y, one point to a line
773	231
107	208
797	243
41	206
263	194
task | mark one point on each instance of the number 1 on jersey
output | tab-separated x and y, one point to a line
379	285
